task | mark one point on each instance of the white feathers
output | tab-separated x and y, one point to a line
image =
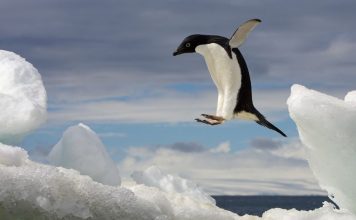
226	74
242	32
246	116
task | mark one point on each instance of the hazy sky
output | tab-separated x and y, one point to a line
109	64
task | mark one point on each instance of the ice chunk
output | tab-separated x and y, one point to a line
36	191
12	156
22	98
156	196
327	127
81	149
351	98
154	177
327	212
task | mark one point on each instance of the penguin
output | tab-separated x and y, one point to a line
230	74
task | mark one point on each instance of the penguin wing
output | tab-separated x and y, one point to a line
242	32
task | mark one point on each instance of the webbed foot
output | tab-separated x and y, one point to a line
211	119
208	121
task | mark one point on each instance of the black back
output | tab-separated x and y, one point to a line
244	98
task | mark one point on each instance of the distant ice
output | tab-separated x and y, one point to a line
327	212
327	127
22	98
351	98
81	149
154	177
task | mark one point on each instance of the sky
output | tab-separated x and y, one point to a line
109	64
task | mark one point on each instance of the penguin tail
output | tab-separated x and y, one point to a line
263	121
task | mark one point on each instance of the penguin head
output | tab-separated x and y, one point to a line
189	44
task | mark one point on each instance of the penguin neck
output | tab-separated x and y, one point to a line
205	40
202	49
213	39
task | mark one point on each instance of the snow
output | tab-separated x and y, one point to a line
327	212
81	149
154	177
327	128
53	192
12	156
22	98
351	98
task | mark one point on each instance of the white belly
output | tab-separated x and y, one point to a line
226	74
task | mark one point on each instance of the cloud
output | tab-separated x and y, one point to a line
95	55
219	171
187	147
166	107
265	143
224	147
112	135
157	106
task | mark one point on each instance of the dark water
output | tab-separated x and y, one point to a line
256	205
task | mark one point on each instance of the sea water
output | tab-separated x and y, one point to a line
256	205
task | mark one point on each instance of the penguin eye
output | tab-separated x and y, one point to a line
187	44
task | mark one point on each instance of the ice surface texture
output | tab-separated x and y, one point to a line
12	156
154	177
81	149
327	127
22	97
44	192
327	212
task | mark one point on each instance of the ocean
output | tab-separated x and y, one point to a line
257	205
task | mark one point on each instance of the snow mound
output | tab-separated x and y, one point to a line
327	212
351	98
37	191
154	177
22	97
327	127
12	156
81	149
177	206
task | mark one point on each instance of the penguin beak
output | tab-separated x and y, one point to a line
175	53
178	51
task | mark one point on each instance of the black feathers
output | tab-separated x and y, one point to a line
263	121
244	97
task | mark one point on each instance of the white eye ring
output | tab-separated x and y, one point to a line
187	44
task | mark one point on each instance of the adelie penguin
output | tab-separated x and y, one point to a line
230	74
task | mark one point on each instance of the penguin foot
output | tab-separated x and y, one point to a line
213	117
208	121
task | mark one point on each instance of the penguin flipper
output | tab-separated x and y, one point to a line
263	121
242	32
